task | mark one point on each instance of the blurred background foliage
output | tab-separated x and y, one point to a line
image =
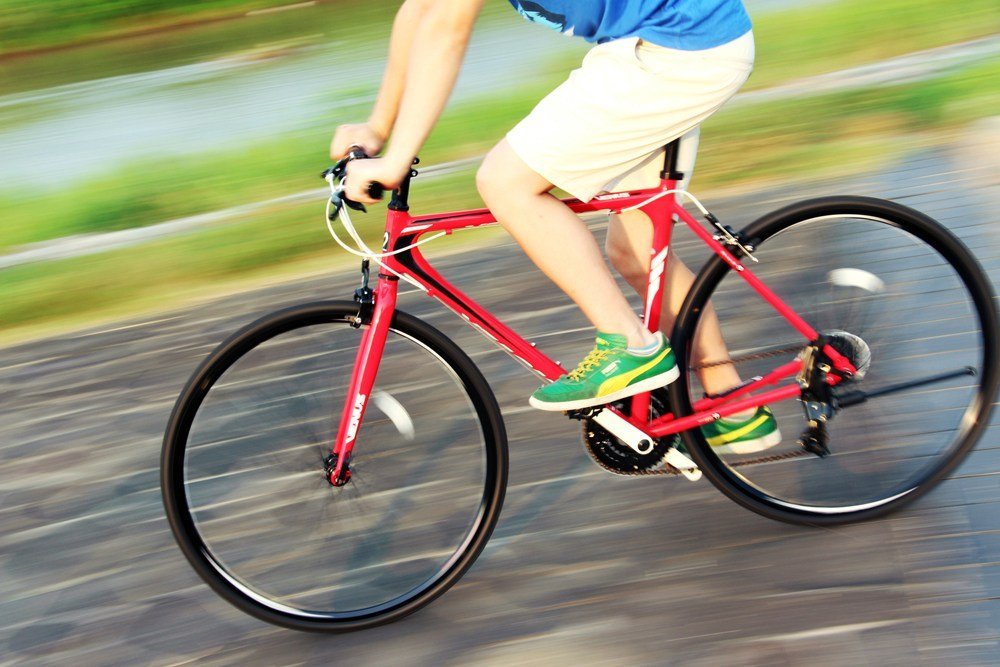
29	24
127	114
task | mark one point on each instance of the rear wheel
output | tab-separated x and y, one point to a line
245	487
889	287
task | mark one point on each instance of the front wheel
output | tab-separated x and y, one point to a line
245	489
890	288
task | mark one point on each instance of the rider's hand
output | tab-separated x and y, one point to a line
358	134
360	173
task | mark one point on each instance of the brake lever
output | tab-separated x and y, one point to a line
354	205
338	201
337	172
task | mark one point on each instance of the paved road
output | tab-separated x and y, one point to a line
584	568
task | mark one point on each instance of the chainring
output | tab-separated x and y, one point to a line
615	456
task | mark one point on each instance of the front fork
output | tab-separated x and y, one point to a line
375	311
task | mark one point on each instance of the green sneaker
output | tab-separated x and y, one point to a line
743	436
609	373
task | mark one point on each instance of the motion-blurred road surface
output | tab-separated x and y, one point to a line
584	567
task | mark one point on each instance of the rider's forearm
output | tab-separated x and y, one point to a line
390	93
439	44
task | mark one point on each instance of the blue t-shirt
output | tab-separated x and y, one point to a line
690	25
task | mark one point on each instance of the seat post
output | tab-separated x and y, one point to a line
670	154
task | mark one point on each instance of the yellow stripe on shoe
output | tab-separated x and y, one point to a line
619	382
736	434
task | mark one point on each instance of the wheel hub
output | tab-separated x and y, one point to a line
854	348
330	470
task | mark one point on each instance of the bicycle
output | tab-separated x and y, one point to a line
379	435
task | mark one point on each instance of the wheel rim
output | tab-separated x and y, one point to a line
869	276
263	518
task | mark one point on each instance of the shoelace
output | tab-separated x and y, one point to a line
590	362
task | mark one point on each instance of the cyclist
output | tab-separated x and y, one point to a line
659	68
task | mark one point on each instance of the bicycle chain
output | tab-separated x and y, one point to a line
750	357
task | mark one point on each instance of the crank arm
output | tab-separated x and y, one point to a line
680	461
622	429
642	443
857	396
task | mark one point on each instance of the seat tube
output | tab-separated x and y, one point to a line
366	365
661	213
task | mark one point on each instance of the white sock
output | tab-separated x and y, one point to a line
646	350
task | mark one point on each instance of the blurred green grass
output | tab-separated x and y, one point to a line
151	43
809	40
840	132
29	24
749	141
812	136
837	133
819	33
790	44
286	240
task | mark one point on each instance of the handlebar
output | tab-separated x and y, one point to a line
373	189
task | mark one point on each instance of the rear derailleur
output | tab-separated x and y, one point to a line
818	400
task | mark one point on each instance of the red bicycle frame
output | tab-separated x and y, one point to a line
403	230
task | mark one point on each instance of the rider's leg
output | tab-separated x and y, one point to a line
557	241
630	236
629	239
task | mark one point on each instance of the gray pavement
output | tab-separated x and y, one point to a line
584	567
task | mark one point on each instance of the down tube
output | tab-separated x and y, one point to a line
365	369
417	266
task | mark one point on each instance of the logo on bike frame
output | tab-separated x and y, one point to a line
359	407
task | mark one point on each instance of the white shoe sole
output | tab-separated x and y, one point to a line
649	384
750	446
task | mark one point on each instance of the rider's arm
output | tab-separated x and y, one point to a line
371	135
435	56
386	107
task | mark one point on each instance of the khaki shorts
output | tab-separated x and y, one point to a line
604	128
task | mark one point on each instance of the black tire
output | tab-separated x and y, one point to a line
242	468
917	297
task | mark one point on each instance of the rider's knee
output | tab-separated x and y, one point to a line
503	177
490	177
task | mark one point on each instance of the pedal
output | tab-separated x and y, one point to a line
686	466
